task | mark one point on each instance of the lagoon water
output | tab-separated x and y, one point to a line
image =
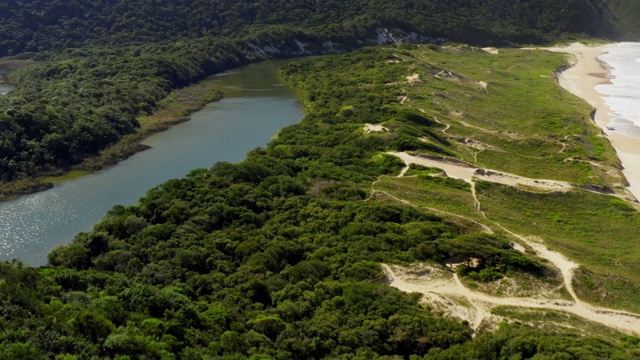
255	107
4	88
623	94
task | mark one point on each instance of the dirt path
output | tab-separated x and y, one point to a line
451	287
430	209
567	267
469	173
475	198
432	282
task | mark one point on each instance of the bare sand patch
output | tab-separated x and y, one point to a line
369	128
467	172
483	85
412	79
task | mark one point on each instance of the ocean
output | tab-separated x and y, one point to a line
623	93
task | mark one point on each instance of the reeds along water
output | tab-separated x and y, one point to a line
623	93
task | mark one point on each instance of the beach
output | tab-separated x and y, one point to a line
583	79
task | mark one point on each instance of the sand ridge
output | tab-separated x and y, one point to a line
461	170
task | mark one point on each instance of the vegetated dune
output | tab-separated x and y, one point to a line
432	281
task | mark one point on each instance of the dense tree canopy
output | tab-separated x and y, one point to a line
40	25
276	257
94	66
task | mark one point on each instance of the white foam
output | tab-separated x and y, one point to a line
623	94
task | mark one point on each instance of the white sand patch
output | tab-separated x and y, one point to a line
491	50
412	79
460	170
483	85
518	247
369	128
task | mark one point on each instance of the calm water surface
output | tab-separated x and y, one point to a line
255	107
5	88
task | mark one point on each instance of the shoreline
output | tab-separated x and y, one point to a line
587	72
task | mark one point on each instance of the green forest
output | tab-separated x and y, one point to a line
274	257
88	69
280	256
29	26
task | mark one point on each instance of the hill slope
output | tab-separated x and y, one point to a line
36	26
115	60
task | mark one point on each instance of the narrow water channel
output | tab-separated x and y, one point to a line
255	107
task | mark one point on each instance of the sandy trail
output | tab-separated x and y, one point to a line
475	198
567	267
452	287
459	170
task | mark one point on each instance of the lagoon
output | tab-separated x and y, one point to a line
4	89
256	105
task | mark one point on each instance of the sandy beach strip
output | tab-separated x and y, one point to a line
581	80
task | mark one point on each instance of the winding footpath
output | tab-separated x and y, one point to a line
450	286
483	303
444	287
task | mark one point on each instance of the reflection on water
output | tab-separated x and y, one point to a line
255	107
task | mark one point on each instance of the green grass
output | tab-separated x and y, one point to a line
597	231
530	127
525	115
553	319
430	192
